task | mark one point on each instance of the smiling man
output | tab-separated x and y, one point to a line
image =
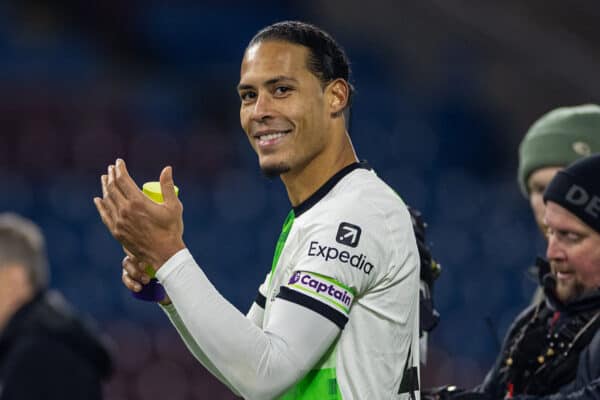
573	219
337	315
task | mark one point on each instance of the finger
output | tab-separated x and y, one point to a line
141	266
130	283
105	214
131	256
103	182
108	201
167	186
124	180
135	271
113	190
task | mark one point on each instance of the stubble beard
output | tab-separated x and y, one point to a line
273	171
569	292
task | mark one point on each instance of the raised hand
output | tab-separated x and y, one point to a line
151	232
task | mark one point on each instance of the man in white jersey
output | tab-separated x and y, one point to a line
338	316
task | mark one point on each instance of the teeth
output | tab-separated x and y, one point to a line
271	136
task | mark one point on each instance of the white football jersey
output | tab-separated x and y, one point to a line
349	253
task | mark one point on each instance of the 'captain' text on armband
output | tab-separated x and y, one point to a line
358	261
320	285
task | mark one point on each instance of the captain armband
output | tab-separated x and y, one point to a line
321	294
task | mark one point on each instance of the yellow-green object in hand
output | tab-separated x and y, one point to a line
154	192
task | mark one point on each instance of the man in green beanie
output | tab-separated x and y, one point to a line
557	139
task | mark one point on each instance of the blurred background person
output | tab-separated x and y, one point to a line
554	141
46	350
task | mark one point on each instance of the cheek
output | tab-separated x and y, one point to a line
537	204
588	267
315	121
244	119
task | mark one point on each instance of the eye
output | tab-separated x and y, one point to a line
281	90
572	237
247	96
537	188
568	236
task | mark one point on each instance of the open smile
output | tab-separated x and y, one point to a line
268	139
564	275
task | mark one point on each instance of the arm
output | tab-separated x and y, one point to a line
255	314
257	310
586	385
493	384
192	346
258	364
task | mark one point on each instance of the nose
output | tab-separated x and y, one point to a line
262	108
554	250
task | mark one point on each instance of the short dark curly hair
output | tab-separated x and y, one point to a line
327	59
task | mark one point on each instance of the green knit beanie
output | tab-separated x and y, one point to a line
558	138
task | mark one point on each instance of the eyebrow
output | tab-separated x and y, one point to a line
268	82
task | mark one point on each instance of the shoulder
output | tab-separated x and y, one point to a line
37	350
520	320
362	198
356	234
590	358
57	371
53	334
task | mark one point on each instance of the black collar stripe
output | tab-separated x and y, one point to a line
327	186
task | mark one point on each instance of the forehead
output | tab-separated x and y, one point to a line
558	217
543	175
269	58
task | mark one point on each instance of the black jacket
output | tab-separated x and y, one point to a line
47	352
583	377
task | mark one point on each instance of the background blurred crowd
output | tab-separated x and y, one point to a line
446	90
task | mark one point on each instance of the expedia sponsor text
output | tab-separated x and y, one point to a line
358	261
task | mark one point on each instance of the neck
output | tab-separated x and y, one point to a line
16	292
9	308
301	184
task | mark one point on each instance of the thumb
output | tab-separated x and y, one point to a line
167	186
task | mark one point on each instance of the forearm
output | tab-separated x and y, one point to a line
256	314
259	365
192	346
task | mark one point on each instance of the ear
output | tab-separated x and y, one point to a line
338	93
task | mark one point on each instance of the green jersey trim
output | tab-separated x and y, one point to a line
285	231
319	383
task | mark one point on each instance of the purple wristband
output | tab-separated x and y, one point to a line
152	291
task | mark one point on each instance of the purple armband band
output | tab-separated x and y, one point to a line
152	291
